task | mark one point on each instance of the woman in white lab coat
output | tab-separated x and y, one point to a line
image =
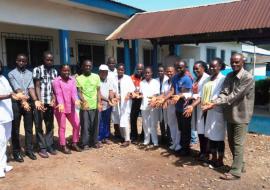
215	123
200	69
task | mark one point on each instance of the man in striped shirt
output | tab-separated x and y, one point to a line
43	76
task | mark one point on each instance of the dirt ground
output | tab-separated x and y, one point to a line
135	167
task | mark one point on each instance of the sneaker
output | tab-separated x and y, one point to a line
2	174
85	147
8	168
43	153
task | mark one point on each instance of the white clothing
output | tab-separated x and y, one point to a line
215	122
148	89
197	121
112	74
149	119
5	105
5	134
170	117
121	112
105	87
162	83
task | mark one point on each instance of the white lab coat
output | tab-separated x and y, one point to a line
160	114
121	112
215	122
197	121
170	117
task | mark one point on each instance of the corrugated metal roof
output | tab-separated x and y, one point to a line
189	22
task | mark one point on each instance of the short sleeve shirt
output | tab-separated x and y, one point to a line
105	87
45	76
21	80
178	83
148	89
88	86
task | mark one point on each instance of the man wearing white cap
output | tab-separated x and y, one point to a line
105	114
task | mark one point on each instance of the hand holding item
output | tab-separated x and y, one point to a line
175	98
207	106
39	106
84	105
60	107
21	96
188	111
26	106
113	102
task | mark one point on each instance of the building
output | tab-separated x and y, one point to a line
72	29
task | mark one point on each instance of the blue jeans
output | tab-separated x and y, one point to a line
104	124
194	136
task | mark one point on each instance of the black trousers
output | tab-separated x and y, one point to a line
44	141
184	125
134	114
89	127
18	112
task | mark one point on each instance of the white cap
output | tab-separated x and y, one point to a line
103	67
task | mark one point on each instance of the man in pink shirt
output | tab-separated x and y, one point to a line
65	91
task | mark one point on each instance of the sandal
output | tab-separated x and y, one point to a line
229	176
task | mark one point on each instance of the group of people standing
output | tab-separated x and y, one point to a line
208	103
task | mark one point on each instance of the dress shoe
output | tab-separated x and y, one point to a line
97	145
8	168
52	151
125	144
31	155
43	153
18	157
85	147
75	147
65	149
183	152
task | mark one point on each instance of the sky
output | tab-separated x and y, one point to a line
157	5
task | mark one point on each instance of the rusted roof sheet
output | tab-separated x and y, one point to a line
189	22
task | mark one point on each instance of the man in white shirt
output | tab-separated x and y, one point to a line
123	88
105	115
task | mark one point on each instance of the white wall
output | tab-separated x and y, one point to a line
47	14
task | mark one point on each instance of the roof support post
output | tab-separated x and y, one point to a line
155	58
135	52
64	47
127	57
177	50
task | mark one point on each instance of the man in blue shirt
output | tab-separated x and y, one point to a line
180	91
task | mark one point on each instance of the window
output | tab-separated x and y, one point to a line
147	57
96	53
33	48
210	54
222	55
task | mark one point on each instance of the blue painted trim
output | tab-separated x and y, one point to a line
154	59
135	51
110	6
64	47
127	57
177	49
